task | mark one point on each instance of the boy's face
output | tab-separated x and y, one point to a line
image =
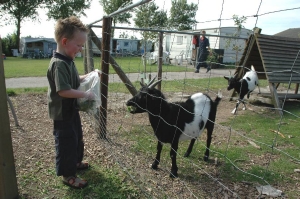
73	46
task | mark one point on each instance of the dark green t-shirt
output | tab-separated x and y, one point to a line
62	75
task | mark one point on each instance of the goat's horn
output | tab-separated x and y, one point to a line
151	81
142	82
154	84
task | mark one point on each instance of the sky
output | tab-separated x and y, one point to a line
274	16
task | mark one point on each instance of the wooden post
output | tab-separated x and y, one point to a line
8	179
275	98
296	88
96	40
89	55
160	55
12	111
105	53
84	54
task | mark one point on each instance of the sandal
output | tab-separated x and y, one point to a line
82	165
74	182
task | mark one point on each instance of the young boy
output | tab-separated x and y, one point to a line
63	78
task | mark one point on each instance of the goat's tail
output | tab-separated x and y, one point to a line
252	68
218	98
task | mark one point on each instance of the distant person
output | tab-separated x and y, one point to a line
195	45
203	52
63	78
118	50
168	59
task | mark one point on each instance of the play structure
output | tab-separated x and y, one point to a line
276	59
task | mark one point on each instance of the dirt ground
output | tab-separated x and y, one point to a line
34	153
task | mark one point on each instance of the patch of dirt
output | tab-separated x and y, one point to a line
33	146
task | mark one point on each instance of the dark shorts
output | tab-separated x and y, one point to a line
69	145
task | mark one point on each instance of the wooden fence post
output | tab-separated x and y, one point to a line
90	54
105	54
160	60
8	179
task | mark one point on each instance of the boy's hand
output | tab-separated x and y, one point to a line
90	95
98	71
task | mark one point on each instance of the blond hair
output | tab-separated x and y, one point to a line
67	28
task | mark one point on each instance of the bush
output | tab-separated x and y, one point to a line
9	42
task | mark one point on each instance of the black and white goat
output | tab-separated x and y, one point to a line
243	86
174	122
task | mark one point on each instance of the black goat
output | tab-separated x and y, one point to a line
174	122
243	86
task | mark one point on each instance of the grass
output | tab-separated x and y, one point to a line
103	183
262	128
247	163
21	67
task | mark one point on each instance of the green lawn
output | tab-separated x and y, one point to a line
21	67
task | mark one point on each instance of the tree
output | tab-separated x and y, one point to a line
64	8
8	43
148	16
234	44
182	15
124	35
15	12
133	37
110	6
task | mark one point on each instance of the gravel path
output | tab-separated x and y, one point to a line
29	82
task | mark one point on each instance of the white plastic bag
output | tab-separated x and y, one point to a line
91	83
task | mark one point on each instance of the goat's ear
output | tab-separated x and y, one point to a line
226	77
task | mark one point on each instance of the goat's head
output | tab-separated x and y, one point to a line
232	81
144	98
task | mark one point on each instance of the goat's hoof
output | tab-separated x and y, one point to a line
186	154
154	166
205	158
173	175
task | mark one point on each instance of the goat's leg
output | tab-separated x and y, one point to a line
208	142
157	158
236	106
173	154
244	105
189	150
258	89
